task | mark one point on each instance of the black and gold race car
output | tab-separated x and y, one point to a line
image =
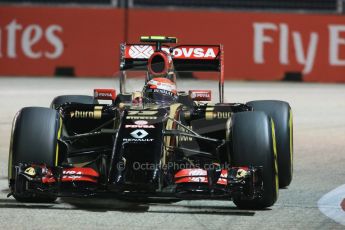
158	142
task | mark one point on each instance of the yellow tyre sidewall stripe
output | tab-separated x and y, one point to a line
57	144
274	143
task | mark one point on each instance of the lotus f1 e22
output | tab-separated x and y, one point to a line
159	142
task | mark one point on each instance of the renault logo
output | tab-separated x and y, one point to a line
139	133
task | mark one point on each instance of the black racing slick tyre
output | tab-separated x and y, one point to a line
253	144
83	99
281	114
34	140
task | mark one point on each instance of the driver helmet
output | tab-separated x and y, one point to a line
161	90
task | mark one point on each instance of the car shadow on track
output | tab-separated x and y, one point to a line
101	205
199	209
77	204
205	212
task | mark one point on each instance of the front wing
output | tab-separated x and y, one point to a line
190	183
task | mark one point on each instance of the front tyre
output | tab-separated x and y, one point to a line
281	114
253	144
35	132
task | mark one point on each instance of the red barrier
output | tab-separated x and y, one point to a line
36	40
258	46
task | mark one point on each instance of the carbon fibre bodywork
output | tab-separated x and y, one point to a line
174	151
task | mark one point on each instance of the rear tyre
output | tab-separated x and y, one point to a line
281	114
83	99
253	144
35	131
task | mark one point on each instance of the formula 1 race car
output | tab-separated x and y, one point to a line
158	142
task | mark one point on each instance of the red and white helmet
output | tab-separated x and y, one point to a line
161	90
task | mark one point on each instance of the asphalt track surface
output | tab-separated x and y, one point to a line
319	164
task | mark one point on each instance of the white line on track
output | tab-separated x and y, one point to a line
332	204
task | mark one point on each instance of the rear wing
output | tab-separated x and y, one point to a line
206	58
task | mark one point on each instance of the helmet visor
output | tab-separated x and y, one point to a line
159	96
